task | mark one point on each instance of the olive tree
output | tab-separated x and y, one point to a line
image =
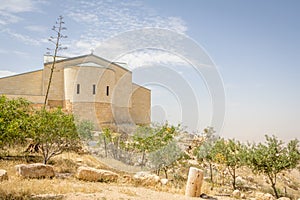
149	139
84	129
14	115
164	157
111	141
54	131
272	157
230	153
205	151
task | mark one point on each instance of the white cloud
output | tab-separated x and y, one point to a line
7	18
37	28
21	53
4	73
10	8
83	17
16	52
107	18
178	23
2	51
17	6
150	58
21	37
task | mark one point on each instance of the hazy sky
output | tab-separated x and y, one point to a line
255	46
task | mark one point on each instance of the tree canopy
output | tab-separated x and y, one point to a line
14	122
272	157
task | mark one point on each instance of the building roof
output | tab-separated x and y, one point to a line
88	64
88	55
21	74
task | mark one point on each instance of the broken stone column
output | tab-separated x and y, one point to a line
194	182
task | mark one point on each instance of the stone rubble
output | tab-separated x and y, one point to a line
35	170
3	175
95	175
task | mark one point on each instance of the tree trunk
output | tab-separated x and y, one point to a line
233	181
274	188
233	175
143	159
211	176
275	191
166	172
105	146
157	172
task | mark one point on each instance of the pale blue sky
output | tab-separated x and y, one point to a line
254	44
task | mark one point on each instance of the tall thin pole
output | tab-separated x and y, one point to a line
56	40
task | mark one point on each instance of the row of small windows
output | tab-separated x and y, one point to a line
94	89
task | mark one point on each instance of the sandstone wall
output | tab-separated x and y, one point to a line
141	105
22	84
98	113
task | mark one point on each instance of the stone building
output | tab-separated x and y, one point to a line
89	86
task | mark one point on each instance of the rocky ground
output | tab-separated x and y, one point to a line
130	193
85	177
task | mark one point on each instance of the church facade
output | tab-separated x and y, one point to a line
88	86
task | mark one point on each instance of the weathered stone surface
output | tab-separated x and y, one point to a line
92	174
3	175
194	182
193	162
264	196
145	178
284	198
35	170
240	181
268	196
47	197
164	181
236	194
243	196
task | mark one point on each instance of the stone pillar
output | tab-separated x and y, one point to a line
194	182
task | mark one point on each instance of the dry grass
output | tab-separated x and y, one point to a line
20	188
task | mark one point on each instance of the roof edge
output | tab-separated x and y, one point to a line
86	55
140	86
23	73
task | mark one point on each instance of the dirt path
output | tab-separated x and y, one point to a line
131	193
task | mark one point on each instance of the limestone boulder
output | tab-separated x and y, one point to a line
47	197
3	175
145	178
35	170
236	194
243	196
240	181
95	175
164	181
269	196
264	196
